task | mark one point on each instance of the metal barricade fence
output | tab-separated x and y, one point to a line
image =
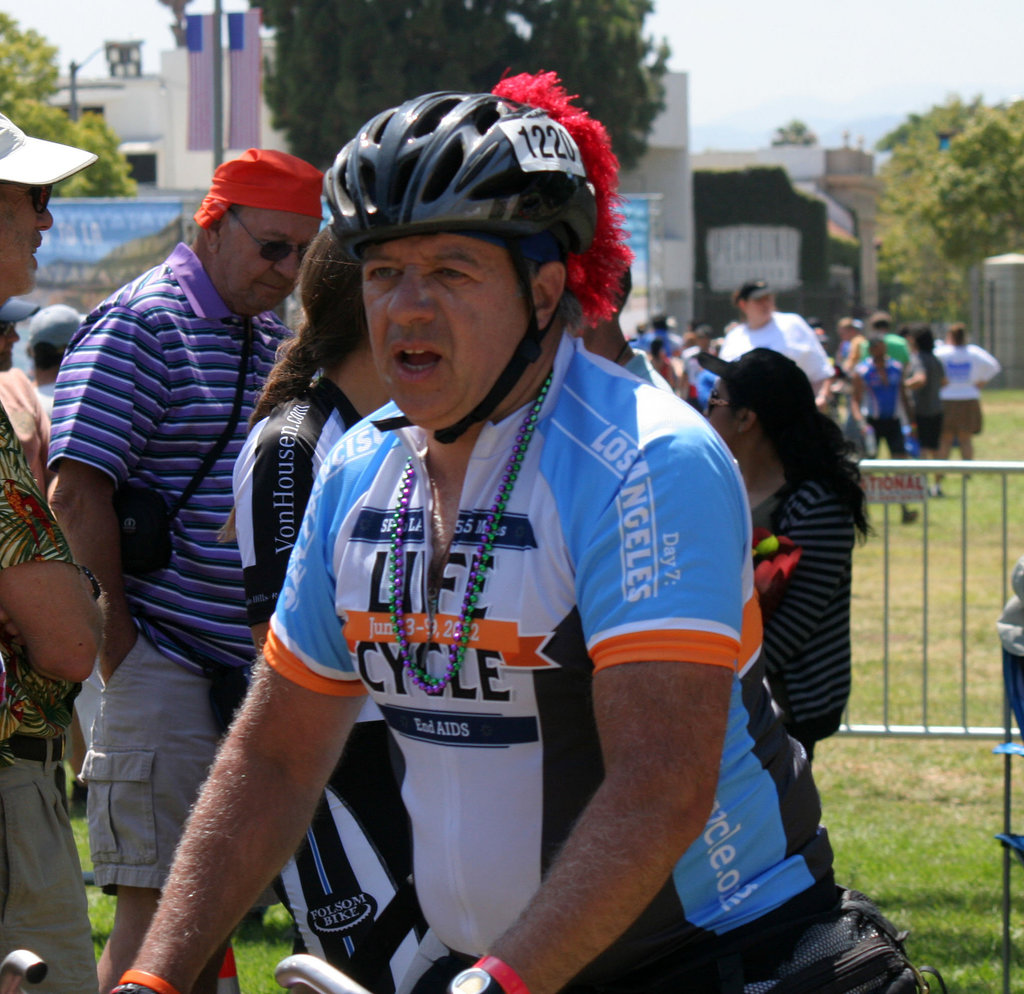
926	596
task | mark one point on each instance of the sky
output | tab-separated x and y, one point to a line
748	60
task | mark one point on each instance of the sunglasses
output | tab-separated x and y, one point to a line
40	195
272	251
715	399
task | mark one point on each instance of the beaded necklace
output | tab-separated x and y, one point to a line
478	568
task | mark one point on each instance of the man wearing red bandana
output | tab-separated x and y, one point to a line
159	377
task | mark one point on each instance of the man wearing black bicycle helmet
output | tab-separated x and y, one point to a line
482	166
539	568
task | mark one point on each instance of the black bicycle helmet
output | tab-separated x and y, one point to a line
448	162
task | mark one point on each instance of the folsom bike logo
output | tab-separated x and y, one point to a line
343	914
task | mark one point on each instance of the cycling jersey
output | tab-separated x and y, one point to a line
626	539
355	856
272	480
882	397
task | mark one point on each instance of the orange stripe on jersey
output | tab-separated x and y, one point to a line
288	665
753	630
682	646
528	655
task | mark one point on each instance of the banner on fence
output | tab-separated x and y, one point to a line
896	488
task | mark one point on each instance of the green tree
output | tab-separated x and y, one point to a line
340	61
977	203
599	50
913	257
28	77
795	133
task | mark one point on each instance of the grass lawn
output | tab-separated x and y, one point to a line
912	825
911	820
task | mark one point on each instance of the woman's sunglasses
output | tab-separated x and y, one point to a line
715	399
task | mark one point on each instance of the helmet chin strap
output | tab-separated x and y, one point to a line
527	351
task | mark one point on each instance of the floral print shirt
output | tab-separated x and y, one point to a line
30	704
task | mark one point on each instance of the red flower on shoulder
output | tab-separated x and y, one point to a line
775	558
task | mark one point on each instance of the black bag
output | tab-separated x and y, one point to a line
145	527
853	949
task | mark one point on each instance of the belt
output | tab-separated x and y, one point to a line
33	747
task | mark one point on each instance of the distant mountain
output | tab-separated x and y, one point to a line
869	117
831	131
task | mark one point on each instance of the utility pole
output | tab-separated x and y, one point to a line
73	84
218	86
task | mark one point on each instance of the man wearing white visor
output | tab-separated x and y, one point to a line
52	605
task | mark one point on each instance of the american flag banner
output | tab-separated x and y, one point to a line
245	59
199	30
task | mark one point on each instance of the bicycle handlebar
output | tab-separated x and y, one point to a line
17	966
303	973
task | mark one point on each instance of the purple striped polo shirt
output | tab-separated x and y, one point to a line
144	391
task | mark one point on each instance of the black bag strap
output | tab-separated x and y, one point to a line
229	430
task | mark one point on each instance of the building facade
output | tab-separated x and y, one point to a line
150	115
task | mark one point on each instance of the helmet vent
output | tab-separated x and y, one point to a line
367	182
400	182
486	117
476	166
382	123
444	172
428	123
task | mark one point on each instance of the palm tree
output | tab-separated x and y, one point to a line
794	133
178	27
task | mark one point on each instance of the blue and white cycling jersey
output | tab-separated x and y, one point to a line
626	539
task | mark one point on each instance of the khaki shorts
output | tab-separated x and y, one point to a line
961	417
44	907
153	741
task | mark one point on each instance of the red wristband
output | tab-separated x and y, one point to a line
150	980
510	981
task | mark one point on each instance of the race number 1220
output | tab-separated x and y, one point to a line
543	146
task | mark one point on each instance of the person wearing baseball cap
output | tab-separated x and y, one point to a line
765	327
51	604
49	332
16	310
11	313
160	376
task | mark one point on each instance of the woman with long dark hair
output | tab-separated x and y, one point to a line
356	859
804	489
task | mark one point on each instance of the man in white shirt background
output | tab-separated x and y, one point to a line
766	328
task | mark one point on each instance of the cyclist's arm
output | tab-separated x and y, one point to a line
253	809
662	726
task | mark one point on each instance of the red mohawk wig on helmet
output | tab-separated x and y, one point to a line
593	276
